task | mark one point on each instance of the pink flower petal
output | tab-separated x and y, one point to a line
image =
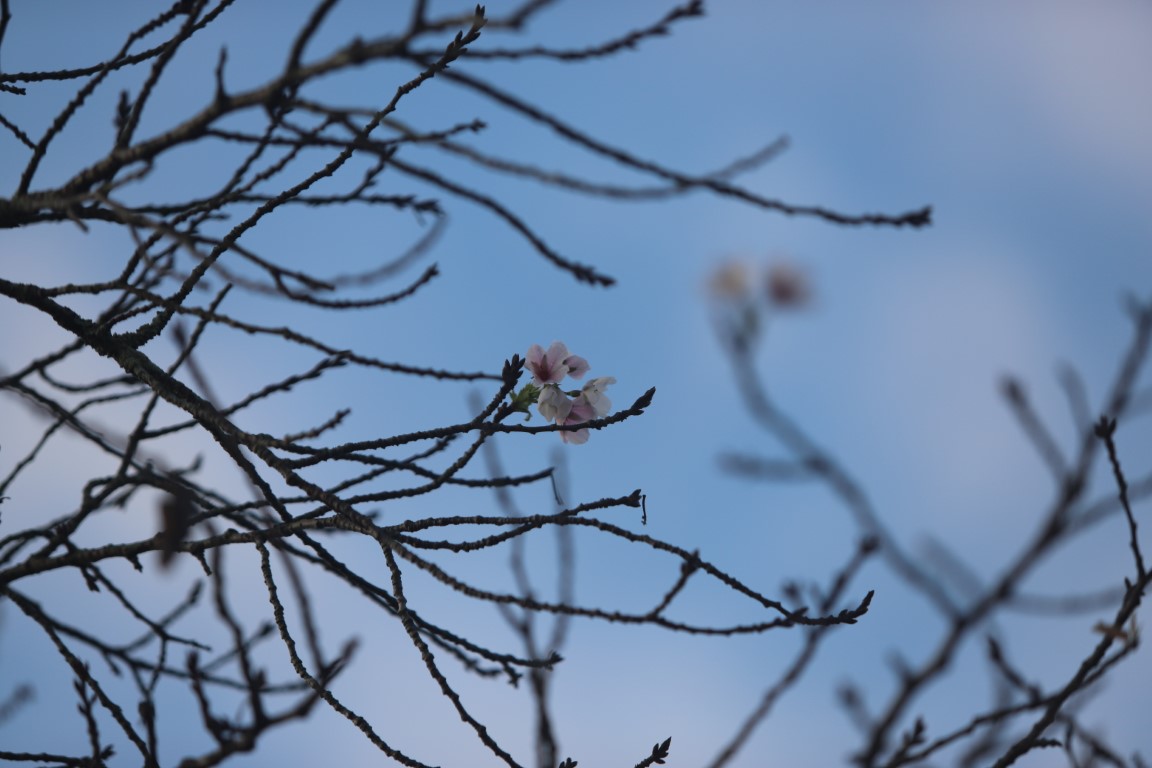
579	437
581	411
553	404
557	351
547	367
577	366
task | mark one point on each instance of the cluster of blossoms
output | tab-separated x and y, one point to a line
744	295
784	285
549	368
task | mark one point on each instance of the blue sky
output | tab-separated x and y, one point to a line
1028	128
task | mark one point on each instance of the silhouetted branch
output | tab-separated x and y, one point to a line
135	370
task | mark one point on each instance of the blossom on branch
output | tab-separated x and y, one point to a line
590	403
549	368
740	311
730	281
580	412
593	394
552	366
553	404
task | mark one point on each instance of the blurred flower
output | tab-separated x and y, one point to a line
786	286
744	298
735	308
730	281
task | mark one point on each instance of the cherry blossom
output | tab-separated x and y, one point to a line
580	412
577	366
786	286
549	368
593	394
552	366
553	404
730	281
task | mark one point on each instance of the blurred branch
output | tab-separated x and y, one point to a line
895	734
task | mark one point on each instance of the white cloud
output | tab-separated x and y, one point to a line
1081	67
